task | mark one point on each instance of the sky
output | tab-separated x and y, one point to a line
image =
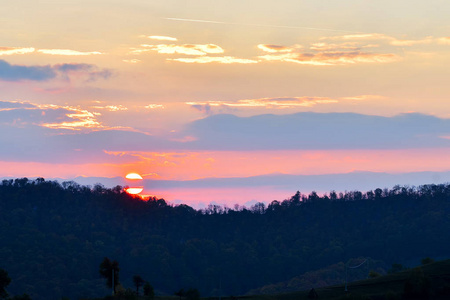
227	102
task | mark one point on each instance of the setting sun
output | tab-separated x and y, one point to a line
133	176
134	190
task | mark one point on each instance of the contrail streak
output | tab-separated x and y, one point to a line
259	25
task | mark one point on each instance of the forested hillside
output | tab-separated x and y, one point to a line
54	236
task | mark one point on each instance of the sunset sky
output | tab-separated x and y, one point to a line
218	101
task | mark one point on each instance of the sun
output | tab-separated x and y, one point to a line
134	190
134	178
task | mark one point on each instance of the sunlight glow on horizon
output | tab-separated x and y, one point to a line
152	95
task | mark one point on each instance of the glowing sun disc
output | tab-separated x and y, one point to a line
133	176
134	190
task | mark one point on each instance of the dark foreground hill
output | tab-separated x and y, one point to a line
431	281
54	236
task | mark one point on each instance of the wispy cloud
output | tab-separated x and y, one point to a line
132	61
333	58
15	50
80	119
186	49
444	40
9	72
22	113
28	50
277	102
162	38
275	48
256	25
91	72
334	47
215	59
111	107
323	54
10	105
154	106
67	52
389	39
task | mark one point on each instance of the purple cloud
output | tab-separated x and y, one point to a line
9	72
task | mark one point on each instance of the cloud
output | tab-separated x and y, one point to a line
277	102
444	41
9	105
162	38
257	25
334	47
305	183
215	59
389	39
80	119
112	107
360	36
15	50
131	61
186	49
9	72
27	50
204	108
22	114
208	107
275	48
330	58
154	106
67	52
92	72
427	40
318	131
324	54
56	131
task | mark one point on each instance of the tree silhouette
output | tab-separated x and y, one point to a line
138	282
110	270
192	294
180	293
148	290
4	282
